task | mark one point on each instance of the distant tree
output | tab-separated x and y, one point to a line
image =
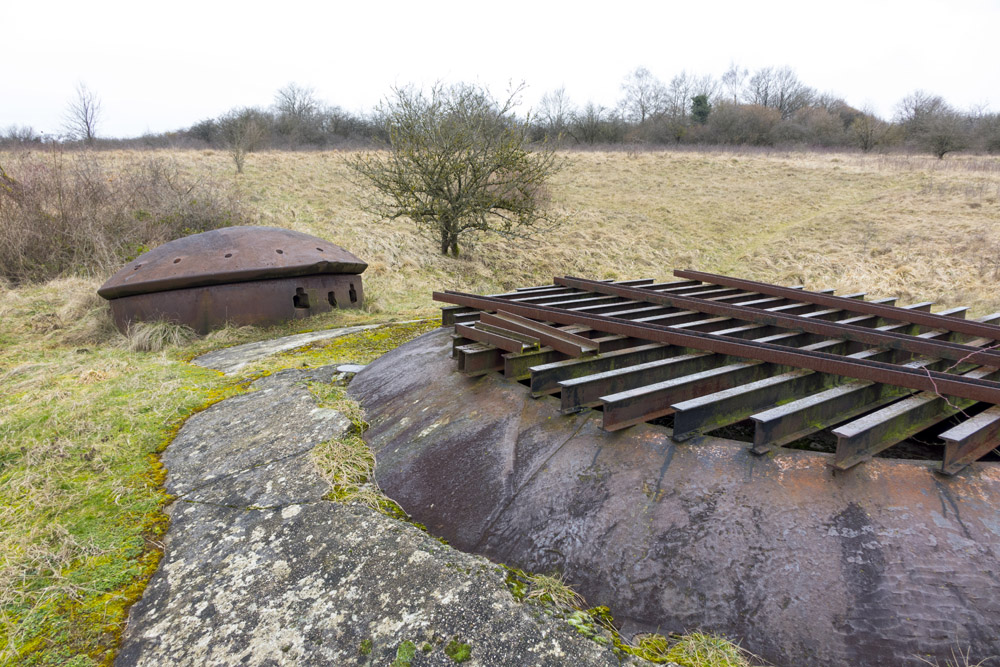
243	131
458	161
594	124
778	88
296	101
943	133
868	131
700	108
734	81
644	95
743	124
21	134
82	115
206	130
929	123
555	111
987	131
297	116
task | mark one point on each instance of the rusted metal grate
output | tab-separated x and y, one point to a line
713	351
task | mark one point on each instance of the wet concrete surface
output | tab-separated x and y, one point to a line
885	564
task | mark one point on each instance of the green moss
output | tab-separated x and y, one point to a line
458	651
366	647
404	654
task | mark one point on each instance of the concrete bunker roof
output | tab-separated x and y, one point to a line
230	255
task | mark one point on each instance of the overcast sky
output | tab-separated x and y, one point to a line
166	65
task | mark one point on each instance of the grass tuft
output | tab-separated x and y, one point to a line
158	335
552	589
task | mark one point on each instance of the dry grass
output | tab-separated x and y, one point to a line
66	213
906	226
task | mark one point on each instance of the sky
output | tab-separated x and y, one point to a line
167	65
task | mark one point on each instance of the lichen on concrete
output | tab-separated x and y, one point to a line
259	569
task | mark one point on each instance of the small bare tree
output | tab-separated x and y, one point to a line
555	111
458	161
868	130
243	131
82	115
645	95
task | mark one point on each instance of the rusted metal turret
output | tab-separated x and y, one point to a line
239	275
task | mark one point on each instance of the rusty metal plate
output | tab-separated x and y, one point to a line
258	302
230	255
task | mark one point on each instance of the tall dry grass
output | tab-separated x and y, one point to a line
85	213
899	225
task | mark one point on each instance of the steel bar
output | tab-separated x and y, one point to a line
649	402
477	359
705	413
493	338
953	351
587	391
976	389
927	319
545	378
561	341
786	423
971	440
517	366
863	438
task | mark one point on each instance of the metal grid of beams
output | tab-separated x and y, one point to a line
714	350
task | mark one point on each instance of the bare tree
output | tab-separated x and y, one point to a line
82	115
594	124
733	81
931	124
243	131
458	162
868	131
555	111
296	101
778	88
645	95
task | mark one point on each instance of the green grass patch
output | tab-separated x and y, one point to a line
83	416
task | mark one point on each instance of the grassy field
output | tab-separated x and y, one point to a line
910	226
83	413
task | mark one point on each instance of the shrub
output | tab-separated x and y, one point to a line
83	213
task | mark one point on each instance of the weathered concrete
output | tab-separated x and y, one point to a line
230	360
875	566
259	569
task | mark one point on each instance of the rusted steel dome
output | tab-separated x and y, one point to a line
240	275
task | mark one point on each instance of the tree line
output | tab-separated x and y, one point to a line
767	107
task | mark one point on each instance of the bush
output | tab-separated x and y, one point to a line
66	213
458	163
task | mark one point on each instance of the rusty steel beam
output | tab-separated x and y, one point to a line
651	401
494	338
478	359
561	341
971	440
706	413
786	423
564	371
964	387
953	351
926	319
861	439
517	366
545	378
587	391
